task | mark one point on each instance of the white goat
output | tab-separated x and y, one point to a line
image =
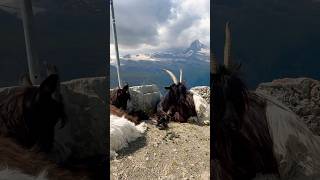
10	174
122	132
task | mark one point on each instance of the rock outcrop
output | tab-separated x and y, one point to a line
203	91
143	98
201	97
301	95
85	133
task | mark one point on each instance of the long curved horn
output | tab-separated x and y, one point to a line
173	77
181	75
227	45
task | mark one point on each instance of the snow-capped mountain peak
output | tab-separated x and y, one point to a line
196	52
196	46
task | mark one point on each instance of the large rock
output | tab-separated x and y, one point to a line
301	95
144	98
201	97
203	91
90	86
85	133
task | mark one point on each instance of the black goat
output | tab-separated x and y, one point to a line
177	105
28	114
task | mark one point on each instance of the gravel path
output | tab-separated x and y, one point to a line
181	152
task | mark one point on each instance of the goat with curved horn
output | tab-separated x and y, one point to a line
180	75
173	77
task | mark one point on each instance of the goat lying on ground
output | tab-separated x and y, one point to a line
122	132
120	97
255	134
29	114
124	127
178	104
16	161
119	102
120	113
242	141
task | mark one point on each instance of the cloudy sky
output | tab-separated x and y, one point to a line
151	25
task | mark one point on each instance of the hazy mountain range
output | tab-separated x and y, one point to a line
272	38
147	68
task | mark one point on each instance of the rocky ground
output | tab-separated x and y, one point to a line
301	95
181	152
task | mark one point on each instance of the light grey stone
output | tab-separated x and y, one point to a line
143	98
85	134
301	95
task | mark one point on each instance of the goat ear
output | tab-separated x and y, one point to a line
25	80
49	85
126	87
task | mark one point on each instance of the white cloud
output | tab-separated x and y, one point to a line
112	54
149	25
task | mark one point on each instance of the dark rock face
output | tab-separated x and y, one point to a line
301	95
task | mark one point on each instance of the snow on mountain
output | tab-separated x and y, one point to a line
139	57
196	52
196	46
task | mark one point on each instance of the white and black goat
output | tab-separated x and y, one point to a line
179	104
124	127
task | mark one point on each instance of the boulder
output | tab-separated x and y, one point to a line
201	97
86	130
143	98
203	91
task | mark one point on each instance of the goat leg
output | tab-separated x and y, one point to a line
178	118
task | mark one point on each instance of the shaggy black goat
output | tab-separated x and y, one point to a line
177	105
29	114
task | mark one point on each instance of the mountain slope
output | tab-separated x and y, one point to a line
147	68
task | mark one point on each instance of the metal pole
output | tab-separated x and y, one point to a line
115	42
33	62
